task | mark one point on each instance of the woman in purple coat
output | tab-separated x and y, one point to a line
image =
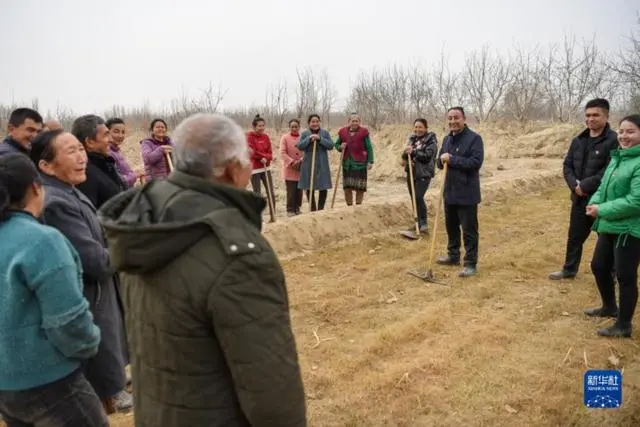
155	150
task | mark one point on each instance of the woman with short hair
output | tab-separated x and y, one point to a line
62	161
316	136
155	151
291	162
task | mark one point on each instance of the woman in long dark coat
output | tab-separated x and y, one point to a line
322	173
62	161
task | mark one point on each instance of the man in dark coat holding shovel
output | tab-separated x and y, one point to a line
463	152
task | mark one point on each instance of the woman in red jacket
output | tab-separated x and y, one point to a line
261	157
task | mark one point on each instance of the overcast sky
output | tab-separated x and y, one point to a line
89	55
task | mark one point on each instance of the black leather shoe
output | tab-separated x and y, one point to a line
601	312
468	271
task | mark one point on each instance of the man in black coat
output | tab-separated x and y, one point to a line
463	151
583	167
24	125
103	181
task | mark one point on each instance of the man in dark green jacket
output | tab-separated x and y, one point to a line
207	310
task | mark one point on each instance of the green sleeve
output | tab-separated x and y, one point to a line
623	207
339	143
369	147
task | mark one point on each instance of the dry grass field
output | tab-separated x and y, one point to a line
379	347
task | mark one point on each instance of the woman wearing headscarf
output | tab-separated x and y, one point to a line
320	138
355	145
47	328
62	161
616	209
155	151
291	162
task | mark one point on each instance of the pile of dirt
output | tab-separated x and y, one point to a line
547	142
302	234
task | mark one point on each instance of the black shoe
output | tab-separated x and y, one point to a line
447	260
616	331
559	275
601	312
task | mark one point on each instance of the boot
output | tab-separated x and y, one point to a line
123	401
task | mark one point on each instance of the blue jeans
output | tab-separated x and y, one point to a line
68	402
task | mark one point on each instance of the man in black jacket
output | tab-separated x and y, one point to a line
24	125
103	181
583	167
463	151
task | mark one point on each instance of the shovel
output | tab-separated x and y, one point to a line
408	233
427	275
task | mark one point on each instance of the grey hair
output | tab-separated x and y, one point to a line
206	143
86	127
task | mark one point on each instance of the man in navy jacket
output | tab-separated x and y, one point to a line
463	151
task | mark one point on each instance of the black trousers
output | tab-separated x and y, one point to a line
421	187
465	217
256	178
579	229
294	197
623	253
67	402
322	199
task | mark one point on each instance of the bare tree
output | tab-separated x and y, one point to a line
447	91
421	90
366	98
394	94
278	104
327	96
571	74
306	92
485	78
626	65
524	92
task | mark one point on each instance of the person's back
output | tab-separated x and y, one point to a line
206	306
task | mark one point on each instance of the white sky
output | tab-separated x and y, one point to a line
89	55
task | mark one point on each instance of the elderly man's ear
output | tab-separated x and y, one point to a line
237	174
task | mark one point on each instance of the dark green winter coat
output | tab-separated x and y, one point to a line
207	311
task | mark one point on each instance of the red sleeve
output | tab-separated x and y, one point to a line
255	154
268	151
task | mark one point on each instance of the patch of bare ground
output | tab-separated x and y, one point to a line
509	347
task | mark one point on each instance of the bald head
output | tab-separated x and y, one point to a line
52	125
209	145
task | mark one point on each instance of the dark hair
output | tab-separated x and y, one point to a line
20	115
17	174
154	121
421	120
257	119
598	103
633	118
42	146
458	109
294	121
311	117
86	127
114	121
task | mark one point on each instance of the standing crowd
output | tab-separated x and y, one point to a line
174	277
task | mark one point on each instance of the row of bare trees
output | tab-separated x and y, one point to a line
543	83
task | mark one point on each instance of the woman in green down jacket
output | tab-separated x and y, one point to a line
616	209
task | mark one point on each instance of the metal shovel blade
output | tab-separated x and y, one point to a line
409	234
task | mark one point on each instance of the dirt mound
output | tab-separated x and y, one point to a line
550	142
315	230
